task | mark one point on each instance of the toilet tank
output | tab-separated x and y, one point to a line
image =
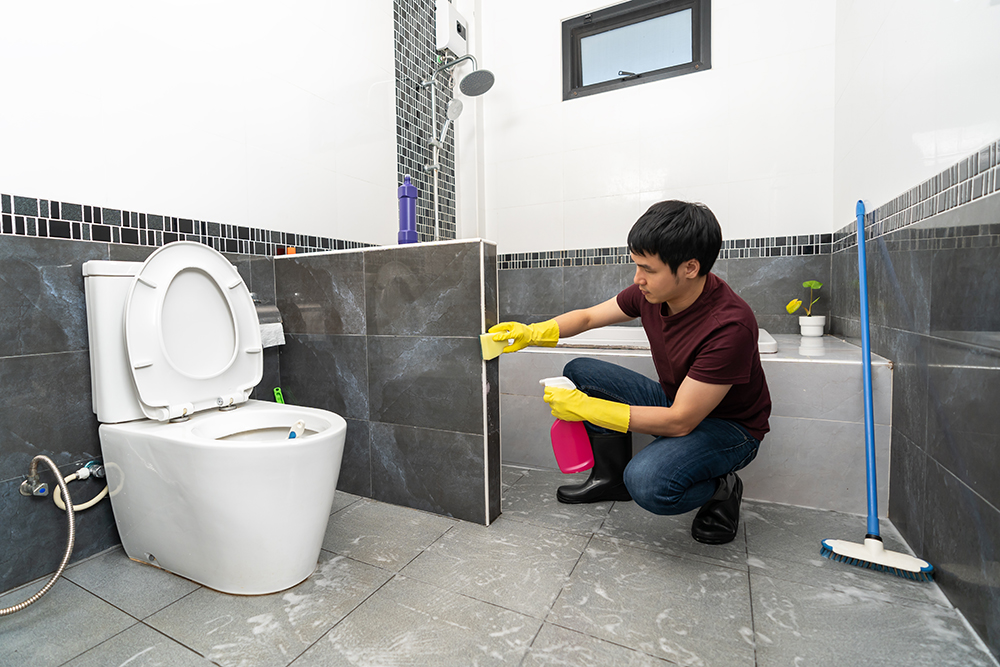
106	285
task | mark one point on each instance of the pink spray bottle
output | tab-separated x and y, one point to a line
570	441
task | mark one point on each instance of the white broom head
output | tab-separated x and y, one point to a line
872	554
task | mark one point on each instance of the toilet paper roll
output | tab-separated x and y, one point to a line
272	334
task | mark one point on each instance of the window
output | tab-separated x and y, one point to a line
635	42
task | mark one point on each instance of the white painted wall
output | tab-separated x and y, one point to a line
267	114
916	91
752	138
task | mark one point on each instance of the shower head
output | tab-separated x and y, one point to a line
455	109
477	82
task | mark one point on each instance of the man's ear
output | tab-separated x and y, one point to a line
690	269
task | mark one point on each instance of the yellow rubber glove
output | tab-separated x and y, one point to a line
541	334
573	405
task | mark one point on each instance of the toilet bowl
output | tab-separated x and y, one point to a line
203	482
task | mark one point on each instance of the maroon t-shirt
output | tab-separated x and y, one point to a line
714	340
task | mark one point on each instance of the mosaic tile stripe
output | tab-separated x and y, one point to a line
774	246
970	179
416	57
29	216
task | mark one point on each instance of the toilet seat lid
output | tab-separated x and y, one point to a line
191	332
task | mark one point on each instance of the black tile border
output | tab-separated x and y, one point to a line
772	246
44	218
970	179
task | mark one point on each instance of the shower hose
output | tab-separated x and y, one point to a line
69	542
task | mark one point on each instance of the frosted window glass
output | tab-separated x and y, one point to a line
640	47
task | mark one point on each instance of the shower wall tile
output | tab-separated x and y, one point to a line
966	289
493	449
34	532
899	287
491	286
586	286
414	388
322	293
431	382
271	378
356	467
961	530
909	354
962	434
908	491
721	269
42	307
845	304
531	295
46	409
133	253
262	280
326	372
767	285
434	470
436	291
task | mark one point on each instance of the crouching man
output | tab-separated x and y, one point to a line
710	408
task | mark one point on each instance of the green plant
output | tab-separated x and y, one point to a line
794	304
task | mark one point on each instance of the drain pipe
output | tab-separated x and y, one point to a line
33	487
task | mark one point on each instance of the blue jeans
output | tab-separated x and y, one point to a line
670	475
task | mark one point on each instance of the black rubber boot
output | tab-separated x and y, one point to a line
718	520
612	452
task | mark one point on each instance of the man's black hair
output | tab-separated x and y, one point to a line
678	231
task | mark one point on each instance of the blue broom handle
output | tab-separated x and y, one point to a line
866	364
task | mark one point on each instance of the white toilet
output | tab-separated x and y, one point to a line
203	482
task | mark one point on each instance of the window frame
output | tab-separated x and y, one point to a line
624	14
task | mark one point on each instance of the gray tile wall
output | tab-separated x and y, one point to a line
389	339
45	407
766	283
933	289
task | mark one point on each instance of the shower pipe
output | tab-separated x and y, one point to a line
434	143
33	475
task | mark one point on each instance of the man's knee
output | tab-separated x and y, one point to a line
584	370
650	491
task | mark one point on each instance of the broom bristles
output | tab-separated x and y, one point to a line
871	555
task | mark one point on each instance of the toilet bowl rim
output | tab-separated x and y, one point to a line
223	424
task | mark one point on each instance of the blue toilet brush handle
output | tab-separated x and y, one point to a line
866	363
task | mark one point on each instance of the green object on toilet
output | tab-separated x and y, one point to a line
277	396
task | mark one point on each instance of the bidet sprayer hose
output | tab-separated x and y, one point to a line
57	494
69	542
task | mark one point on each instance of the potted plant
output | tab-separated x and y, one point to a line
809	324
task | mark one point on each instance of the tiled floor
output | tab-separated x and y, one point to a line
547	584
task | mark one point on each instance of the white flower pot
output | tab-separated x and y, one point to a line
812	326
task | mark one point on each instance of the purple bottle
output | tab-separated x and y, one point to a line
407	194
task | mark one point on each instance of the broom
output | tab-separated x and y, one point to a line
872	554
